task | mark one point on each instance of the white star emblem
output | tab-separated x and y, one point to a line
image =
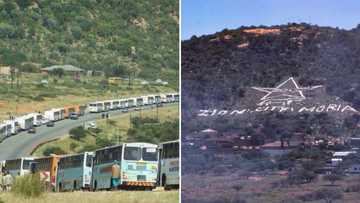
285	93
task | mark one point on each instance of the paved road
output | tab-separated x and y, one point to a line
22	144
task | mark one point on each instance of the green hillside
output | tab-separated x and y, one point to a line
117	36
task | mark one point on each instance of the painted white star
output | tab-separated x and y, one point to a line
287	90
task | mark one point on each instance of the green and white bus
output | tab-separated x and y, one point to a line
169	164
128	165
19	167
74	172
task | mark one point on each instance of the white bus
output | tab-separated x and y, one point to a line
126	165
123	104
169	98
176	97
139	101
169	164
5	130
150	99
38	118
107	105
25	122
95	107
115	104
131	102
19	167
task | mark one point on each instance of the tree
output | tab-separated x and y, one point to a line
14	60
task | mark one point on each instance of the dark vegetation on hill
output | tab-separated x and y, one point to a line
218	69
117	36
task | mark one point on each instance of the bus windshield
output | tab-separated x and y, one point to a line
26	164
149	154
89	159
132	153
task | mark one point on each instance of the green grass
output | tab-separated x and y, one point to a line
117	125
95	197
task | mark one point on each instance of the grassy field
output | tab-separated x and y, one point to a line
96	197
31	96
232	187
117	125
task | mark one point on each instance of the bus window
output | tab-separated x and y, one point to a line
132	153
149	154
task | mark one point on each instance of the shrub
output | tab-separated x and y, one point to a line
103	142
53	150
77	133
28	186
74	145
323	194
353	188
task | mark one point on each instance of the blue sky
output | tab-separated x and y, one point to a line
209	16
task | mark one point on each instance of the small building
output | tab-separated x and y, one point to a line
93	73
114	80
5	71
70	69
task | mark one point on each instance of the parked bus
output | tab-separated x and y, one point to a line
5	130
169	164
74	172
123	104
107	105
131	102
25	122
115	104
125	165
95	107
150	100
19	167
169	98
139	101
47	167
176	97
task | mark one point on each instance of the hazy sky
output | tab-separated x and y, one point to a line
209	16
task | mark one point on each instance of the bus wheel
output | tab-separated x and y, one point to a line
95	186
60	187
164	182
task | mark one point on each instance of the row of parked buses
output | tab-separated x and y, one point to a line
128	165
29	121
107	105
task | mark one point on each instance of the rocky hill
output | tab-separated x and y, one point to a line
109	35
218	71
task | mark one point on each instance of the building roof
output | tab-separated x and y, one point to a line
345	153
69	68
